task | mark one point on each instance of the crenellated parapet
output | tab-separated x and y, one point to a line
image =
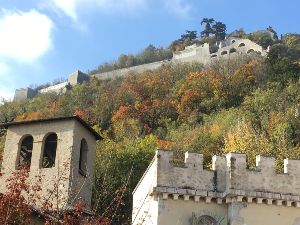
190	175
229	179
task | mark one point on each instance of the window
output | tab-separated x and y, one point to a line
203	220
242	45
224	53
26	150
232	50
250	51
83	157
49	153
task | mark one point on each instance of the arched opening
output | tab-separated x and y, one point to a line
232	41
49	153
232	50
203	220
83	157
224	53
242	45
26	147
250	51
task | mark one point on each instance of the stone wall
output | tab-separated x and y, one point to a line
231	47
24	93
125	71
71	184
58	88
229	190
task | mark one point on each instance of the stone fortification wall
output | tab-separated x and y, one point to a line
58	88
136	69
193	53
228	194
231	47
229	177
239	46
191	175
24	93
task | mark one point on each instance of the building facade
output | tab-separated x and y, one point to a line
60	155
229	194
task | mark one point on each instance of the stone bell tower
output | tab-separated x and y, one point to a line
60	153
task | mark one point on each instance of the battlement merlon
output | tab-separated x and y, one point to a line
229	174
189	175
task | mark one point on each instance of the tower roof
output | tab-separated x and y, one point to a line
77	118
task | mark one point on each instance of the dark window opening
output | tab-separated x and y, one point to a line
224	53
242	45
49	154
26	151
83	157
250	51
232	50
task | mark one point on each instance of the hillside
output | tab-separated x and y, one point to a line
249	105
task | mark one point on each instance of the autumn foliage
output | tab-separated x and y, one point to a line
247	104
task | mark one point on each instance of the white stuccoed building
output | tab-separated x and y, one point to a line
229	194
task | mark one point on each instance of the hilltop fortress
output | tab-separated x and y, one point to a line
231	47
228	194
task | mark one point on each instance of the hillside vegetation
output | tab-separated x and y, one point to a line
248	104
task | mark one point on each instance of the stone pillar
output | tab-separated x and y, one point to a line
234	217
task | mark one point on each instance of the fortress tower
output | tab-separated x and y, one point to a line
229	194
60	154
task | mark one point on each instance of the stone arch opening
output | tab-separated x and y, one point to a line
49	150
232	50
203	220
242	45
250	51
83	157
25	151
232	41
224	53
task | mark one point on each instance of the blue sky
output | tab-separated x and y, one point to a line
44	40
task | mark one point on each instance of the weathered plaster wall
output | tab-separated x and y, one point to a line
65	172
142	200
64	131
58	88
24	93
82	186
191	175
136	69
193	53
259	214
264	178
229	186
180	212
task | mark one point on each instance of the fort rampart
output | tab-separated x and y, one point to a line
228	193
231	47
229	176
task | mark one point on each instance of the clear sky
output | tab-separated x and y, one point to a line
44	40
